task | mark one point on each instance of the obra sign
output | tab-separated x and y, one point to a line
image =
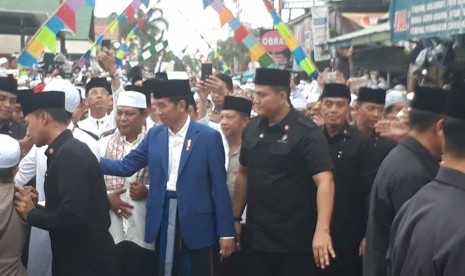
272	41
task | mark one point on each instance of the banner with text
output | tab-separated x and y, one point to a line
320	33
416	19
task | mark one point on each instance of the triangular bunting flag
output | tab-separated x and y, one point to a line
207	3
48	39
91	3
129	11
75	4
36	48
68	16
55	24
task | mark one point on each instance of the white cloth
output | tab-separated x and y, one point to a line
35	164
9	152
133	228
204	121
35	161
98	126
132	99
296	93
149	123
175	145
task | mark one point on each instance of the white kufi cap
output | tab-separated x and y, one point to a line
72	95
132	99
9	152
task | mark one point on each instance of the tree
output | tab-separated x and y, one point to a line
236	56
152	28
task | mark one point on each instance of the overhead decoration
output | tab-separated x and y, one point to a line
152	50
121	53
241	34
299	55
45	36
128	14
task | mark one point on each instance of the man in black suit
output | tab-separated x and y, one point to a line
76	213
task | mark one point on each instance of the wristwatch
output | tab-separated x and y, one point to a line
117	74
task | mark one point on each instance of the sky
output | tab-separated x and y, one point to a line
186	31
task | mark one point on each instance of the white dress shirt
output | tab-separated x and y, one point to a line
133	228
98	126
175	145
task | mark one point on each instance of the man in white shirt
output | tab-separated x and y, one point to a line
97	100
35	164
98	121
127	195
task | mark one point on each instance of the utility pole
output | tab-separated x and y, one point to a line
62	36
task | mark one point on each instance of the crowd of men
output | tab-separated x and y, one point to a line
157	180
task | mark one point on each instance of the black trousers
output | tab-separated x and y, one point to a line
263	263
236	264
345	264
201	262
136	260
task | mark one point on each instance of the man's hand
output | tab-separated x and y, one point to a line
120	207
216	85
106	60
394	129
138	191
362	248
322	248
202	91
33	193
226	248
23	202
238	228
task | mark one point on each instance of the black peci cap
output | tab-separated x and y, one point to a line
429	99
31	101
336	90
238	104
376	96
272	77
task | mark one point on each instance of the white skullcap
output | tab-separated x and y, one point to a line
9	152
393	97
132	99
3	61
313	97
72	95
299	103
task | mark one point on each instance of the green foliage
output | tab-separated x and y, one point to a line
151	29
236	56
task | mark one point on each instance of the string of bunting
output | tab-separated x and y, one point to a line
121	53
128	14
222	65
241	34
45	36
299	55
152	50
